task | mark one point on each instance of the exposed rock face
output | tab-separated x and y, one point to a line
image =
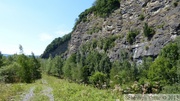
162	15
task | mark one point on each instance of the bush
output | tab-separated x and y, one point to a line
131	36
104	7
9	74
171	89
94	30
148	31
141	17
98	79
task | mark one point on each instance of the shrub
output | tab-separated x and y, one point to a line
148	31
94	30
98	79
131	36
104	7
9	73
141	17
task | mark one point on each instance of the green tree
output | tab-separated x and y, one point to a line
166	62
86	73
25	72
49	65
57	64
69	64
36	72
171	53
143	69
105	64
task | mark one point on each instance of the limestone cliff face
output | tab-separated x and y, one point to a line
162	15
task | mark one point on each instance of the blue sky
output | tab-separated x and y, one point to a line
35	23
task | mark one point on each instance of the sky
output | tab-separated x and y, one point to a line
35	23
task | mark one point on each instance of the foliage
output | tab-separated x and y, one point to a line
20	68
166	62
94	30
143	70
35	64
91	66
141	17
102	8
1	62
107	43
98	79
69	64
9	73
62	90
131	36
148	31
171	89
105	7
55	44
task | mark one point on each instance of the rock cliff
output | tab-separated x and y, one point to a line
162	15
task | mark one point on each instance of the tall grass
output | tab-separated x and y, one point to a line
62	90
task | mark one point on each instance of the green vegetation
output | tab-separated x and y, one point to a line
131	36
92	70
107	43
20	68
54	45
141	17
148	31
61	90
100	8
105	7
94	30
89	74
89	66
1	61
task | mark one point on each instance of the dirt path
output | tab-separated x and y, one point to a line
29	95
48	93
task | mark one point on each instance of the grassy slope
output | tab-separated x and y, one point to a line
60	90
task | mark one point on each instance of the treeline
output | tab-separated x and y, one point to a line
89	66
19	68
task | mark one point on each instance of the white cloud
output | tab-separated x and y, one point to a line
45	37
62	32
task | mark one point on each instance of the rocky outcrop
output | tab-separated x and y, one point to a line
162	15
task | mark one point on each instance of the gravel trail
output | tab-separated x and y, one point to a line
29	95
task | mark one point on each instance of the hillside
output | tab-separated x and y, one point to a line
131	44
57	46
117	47
161	16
